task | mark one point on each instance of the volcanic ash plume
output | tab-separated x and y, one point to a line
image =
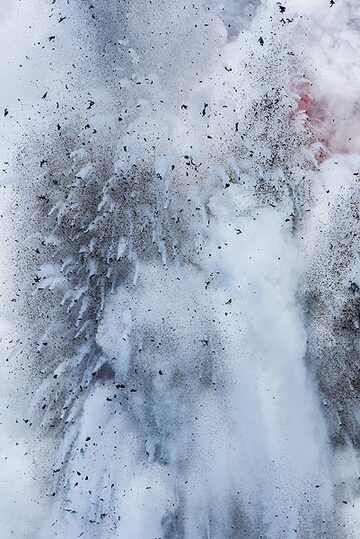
180	277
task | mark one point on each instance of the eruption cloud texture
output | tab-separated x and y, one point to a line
180	288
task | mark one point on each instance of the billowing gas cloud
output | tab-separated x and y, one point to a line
180	281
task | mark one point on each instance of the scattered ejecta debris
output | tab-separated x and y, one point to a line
179	273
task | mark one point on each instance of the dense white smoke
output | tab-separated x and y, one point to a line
180	281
